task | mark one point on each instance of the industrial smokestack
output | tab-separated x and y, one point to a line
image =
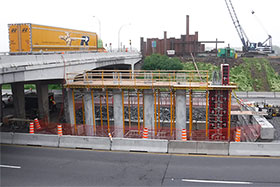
187	26
165	37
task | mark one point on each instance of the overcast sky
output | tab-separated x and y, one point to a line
148	18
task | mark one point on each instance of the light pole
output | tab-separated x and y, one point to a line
119	47
99	22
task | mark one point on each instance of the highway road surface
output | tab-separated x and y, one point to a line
40	166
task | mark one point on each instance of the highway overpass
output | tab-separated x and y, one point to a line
44	69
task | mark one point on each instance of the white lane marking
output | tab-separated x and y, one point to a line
7	166
217	182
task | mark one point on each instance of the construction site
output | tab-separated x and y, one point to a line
172	105
165	104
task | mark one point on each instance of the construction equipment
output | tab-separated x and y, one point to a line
271	110
227	53
249	48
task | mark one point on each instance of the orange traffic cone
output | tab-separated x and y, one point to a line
110	136
184	135
59	130
37	124
31	128
237	135
145	133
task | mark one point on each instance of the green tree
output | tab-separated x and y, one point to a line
161	62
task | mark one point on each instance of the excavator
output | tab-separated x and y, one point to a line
250	49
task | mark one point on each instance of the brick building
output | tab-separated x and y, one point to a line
172	46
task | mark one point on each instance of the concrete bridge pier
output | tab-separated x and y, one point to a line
69	109
118	113
89	113
19	101
43	100
149	112
1	110
180	113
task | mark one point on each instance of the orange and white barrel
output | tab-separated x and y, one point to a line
184	135
31	128
59	130
110	136
145	133
37	124
238	135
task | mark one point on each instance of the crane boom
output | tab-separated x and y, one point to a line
241	33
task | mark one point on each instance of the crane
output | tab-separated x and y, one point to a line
248	47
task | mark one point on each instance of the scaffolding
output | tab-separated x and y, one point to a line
163	85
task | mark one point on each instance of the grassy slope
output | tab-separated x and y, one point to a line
255	74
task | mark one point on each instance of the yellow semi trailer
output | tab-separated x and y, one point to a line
29	38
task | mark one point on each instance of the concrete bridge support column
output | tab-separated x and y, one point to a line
89	114
118	113
1	110
132	70
180	113
19	101
70	116
43	100
149	112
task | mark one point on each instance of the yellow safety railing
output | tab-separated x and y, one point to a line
148	77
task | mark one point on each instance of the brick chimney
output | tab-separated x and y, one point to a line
188	26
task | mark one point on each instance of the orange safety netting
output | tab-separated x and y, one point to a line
248	133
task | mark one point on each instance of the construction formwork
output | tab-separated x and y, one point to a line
123	103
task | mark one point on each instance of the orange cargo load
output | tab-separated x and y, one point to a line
28	38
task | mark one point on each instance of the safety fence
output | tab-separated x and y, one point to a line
138	78
133	107
246	133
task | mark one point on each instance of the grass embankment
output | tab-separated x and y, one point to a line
255	74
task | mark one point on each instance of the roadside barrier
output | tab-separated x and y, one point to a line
148	145
31	128
140	145
254	149
198	147
85	142
184	135
237	135
37	124
145	133
59	130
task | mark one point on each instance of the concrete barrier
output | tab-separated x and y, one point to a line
35	139
85	142
186	147
147	145
198	147
267	130
254	149
212	148
6	137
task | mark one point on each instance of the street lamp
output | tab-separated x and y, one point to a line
119	47
99	25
